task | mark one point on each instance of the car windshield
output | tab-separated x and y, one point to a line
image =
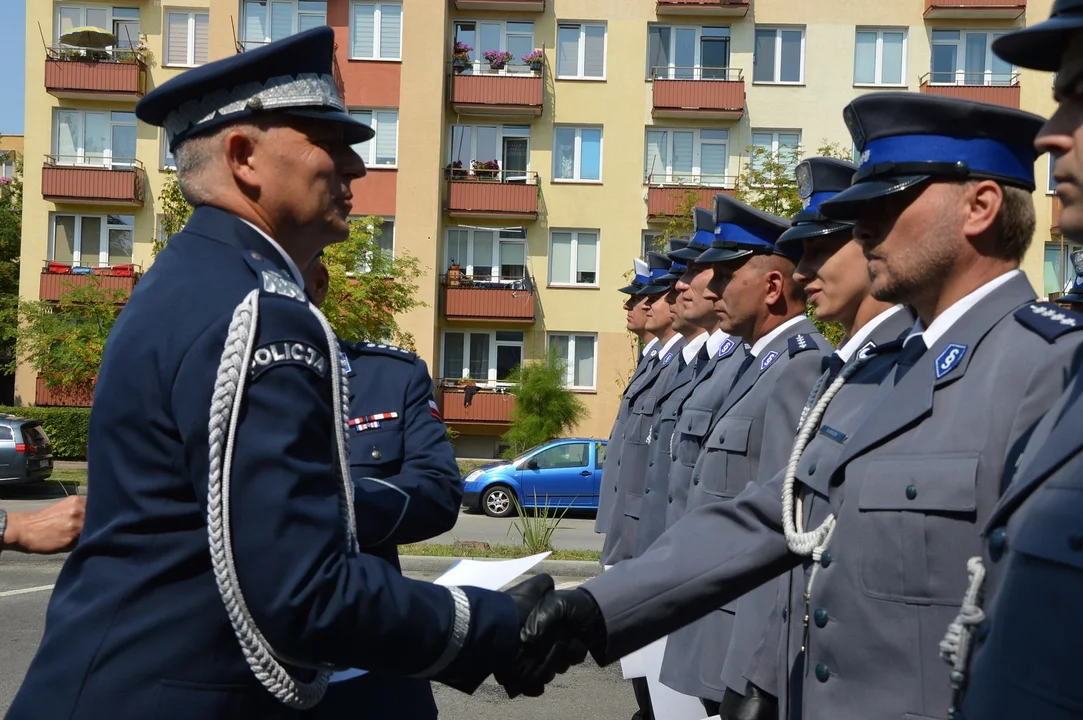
519	458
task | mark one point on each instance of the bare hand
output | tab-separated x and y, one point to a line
49	530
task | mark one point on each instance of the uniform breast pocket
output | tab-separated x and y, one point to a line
727	455
692	425
376	449
916	526
1049	527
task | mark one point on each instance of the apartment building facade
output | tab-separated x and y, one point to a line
524	187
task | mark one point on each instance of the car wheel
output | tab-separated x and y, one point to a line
498	501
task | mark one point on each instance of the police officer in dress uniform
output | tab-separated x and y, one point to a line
944	214
217	575
636	308
407	488
1073	299
1024	638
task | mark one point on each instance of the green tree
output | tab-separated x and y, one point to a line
11	230
544	406
175	212
681	223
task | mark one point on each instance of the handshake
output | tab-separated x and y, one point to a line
557	629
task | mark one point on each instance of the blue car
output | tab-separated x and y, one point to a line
559	474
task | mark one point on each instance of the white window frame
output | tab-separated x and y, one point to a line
479	64
1051	185
697	66
577	160
582	49
377	32
7	164
1067	272
502	132
167	161
668	175
568	361
575	258
191	37
490	378
369	154
294	21
80	157
777	60
103	252
991	34
131	5
879	57
466	266
647	241
775	141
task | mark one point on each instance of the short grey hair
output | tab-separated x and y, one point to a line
191	158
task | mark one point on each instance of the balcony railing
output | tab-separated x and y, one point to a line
975	9
987	87
485	298
733	8
78	73
487	406
45	397
514	91
698	92
668	194
109	181
336	71
58	278
492	193
1057	208
535	6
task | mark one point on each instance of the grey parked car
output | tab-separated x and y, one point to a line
26	455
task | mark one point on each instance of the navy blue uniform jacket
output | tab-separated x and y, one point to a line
136	627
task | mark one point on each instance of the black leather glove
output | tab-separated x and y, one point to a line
558	634
527	595
757	705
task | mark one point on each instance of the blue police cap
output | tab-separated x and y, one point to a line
639	280
1075	295
677	267
742	230
701	238
1041	46
818	179
906	139
291	76
659	264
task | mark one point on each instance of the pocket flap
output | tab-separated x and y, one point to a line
905	482
730	434
1057	536
646	406
632	504
695	422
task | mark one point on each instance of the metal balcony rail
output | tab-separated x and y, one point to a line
462	281
504	177
103	162
495	387
677	180
987	78
696	72
80	267
67	53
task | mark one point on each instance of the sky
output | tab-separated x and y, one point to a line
13	76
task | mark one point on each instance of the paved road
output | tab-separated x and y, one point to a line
24	594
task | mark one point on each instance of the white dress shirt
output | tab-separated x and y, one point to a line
689	351
764	341
960	307
714	342
294	270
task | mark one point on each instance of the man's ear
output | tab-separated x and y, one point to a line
240	149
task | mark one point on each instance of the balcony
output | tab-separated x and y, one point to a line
58	278
68	179
667	197
719	8
698	92
1002	90
975	9
487	406
497	93
531	6
1058	206
509	194
78	74
488	299
45	397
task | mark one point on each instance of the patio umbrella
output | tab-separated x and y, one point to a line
89	37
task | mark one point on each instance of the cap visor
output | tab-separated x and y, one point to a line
668	278
688	253
653	289
793	239
1038	47
716	255
630	289
355	130
849	203
1071	297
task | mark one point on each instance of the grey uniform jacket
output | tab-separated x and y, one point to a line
656	489
1026	656
607	493
918	483
632	464
749	440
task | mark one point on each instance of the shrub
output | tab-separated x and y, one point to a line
67	428
544	407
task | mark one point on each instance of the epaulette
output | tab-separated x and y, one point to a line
273	280
382	349
802	342
1048	320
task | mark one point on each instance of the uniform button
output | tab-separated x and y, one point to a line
695	480
650	464
785	614
655	436
998	540
820	617
822	673
647	491
671	498
812	469
1075	542
674	413
825	559
722	438
256	256
376	454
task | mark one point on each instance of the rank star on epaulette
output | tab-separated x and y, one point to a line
1048	320
800	343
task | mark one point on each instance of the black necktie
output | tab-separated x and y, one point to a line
681	364
745	365
832	365
702	358
911	353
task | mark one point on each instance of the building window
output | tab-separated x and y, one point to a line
1059	274
782	145
686	156
1052	186
383	149
121	21
376	31
94	137
581	50
779	55
187	38
577	153
167	157
263	24
509	145
967	58
487	255
573	257
7	164
654	241
879	57
578	353
506	36
485	356
91	240
687	53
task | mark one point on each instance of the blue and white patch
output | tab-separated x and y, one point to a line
1048	320
346	370
727	348
949	359
767	360
274	354
666	359
800	343
276	284
866	349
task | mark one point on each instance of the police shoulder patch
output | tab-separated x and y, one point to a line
727	347
800	343
288	352
384	349
1048	320
767	360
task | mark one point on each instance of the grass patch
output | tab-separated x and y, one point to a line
484	550
73	476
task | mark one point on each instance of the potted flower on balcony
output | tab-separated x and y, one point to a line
497	58
455	170
485	170
460	57
534	60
